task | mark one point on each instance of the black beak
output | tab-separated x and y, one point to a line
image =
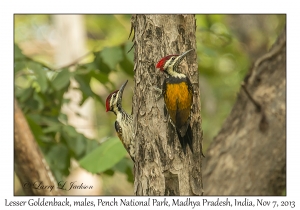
121	91
181	57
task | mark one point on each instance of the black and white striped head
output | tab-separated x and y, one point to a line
170	63
114	100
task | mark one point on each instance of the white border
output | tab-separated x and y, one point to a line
8	8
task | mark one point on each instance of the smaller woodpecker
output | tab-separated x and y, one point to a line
123	124
178	95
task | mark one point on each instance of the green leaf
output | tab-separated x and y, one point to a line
85	88
111	56
52	128
128	45
46	139
62	79
84	82
63	118
85	68
100	64
36	130
104	157
24	94
30	104
18	52
35	117
129	173
39	100
76	144
66	100
70	131
101	77
19	65
91	145
49	120
125	166
126	64
40	74
58	157
109	172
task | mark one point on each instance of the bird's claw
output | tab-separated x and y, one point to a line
156	89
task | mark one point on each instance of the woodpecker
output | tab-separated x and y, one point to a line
178	92
123	124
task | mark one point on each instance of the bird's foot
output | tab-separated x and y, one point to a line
159	91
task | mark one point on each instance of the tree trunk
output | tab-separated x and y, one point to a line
161	168
248	156
30	165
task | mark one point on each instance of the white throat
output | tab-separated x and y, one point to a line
173	73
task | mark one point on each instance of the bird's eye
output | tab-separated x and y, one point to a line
173	58
114	95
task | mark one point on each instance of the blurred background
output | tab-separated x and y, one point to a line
62	92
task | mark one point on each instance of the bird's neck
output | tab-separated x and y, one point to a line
173	73
122	115
118	110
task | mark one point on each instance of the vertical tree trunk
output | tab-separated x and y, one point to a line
161	168
248	156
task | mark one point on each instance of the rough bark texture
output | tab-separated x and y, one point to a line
248	156
161	167
30	165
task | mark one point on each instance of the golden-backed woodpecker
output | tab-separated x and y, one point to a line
178	96
123	124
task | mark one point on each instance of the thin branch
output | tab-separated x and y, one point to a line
264	124
256	104
268	55
75	62
131	47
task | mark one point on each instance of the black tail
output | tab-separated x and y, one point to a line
187	139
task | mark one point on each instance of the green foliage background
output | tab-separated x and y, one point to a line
226	47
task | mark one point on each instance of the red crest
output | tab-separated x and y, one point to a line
161	63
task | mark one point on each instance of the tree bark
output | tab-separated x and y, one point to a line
248	156
30	165
161	168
